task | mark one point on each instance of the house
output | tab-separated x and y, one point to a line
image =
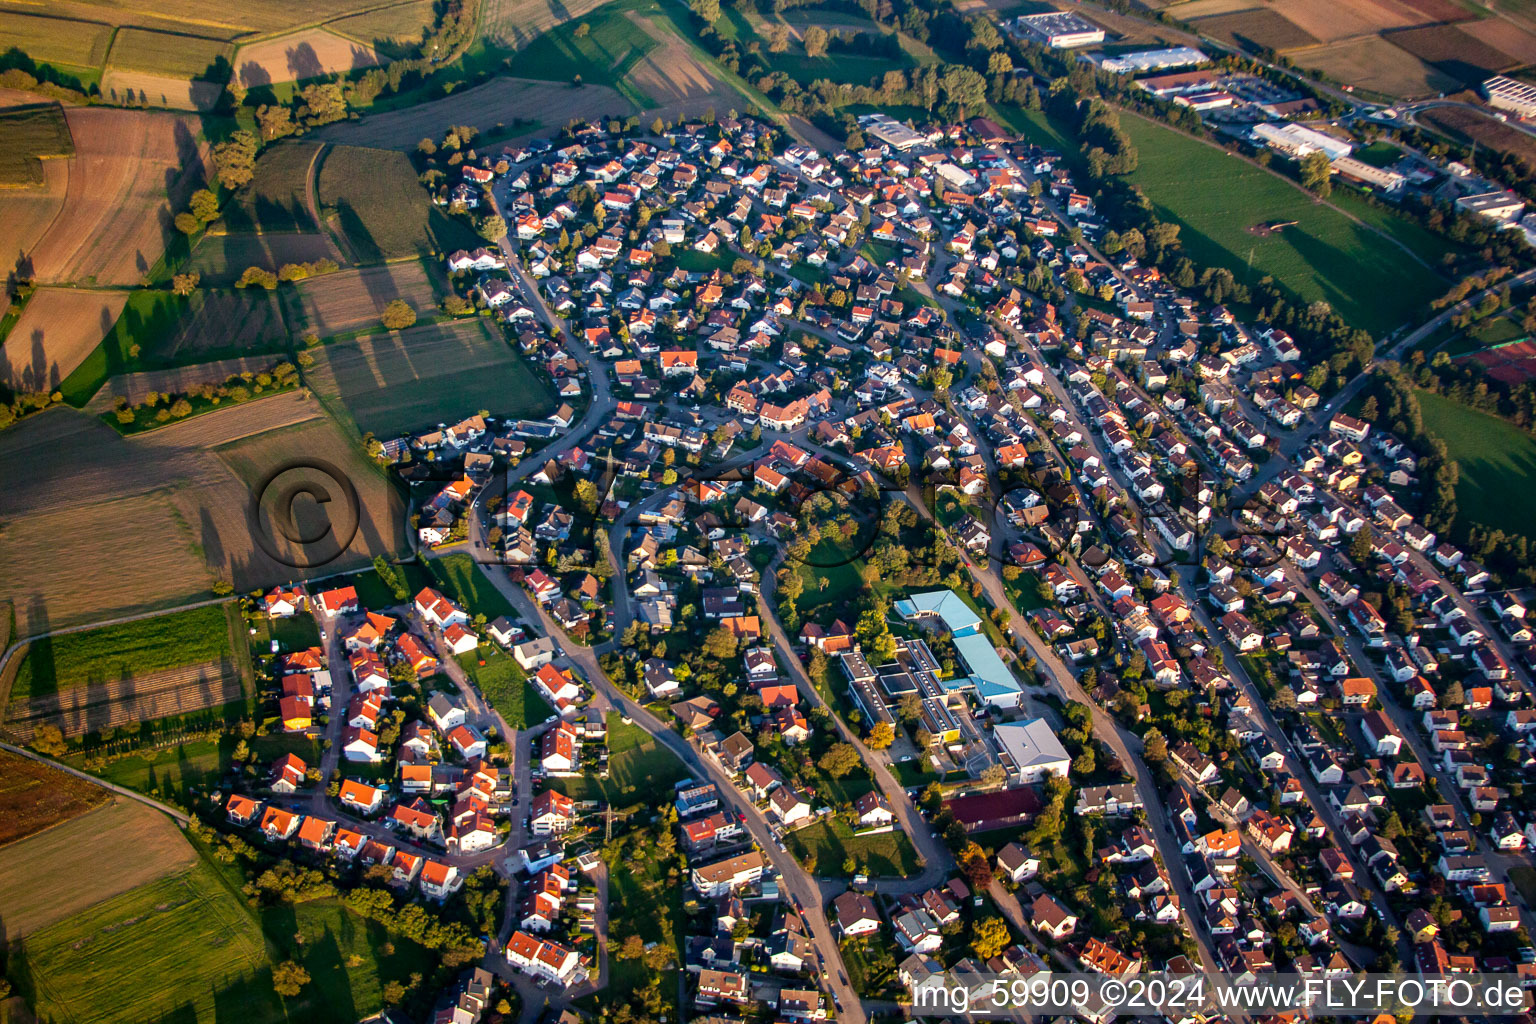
551	813
439	880
874	812
1381	735
1018	863
338	602
241	810
360	797
722	877
542	959
278	824
1050	918
855	915
437	609
288	774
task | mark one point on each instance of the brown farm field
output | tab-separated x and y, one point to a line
1511	39
35	796
1375	64
151	519
410	380
116	215
221	21
516	23
56	331
674	77
379	210
297	56
351	300
500	101
1471	126
1332	20
1451	50
277	198
119	702
30	135
152	90
48	877
170	54
1257	27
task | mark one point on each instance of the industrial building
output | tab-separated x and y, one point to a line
1362	173
1031	750
1142	61
1060	30
890	131
1502	205
1296	142
1519	98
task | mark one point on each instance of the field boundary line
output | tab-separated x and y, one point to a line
180	817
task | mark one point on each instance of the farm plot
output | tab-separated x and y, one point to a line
1451	50
264	413
221	259
350	300
381	210
131	170
300	56
28	136
1325	256
1497	461
671	75
1518	43
1257	28
169	54
52	876
117	653
391	28
81	44
151	90
217	322
604	52
35	796
149	519
501	101
1472	126
1375	64
55	333
412	379
516	23
176	948
218	22
25	214
275	200
131	700
1332	20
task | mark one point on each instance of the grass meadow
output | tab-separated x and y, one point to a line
825	847
112	652
1219	200
1497	461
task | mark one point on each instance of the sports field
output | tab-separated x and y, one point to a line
1220	200
1497	461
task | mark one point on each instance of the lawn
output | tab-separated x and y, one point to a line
841	67
382	210
31	135
114	652
640	893
464	581
374	595
171	771
638	768
1219	200
825	846
506	687
1497	462
292	634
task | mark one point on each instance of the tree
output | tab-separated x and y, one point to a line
48	739
492	227
398	315
778	38
993	775
204	206
187	224
1154	746
839	760
708	11
582	31
633	948
815	40
289	978
185	284
990	938
881	736
1317	173
235	159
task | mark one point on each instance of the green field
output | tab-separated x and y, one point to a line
463	580
79	44
171	771
831	842
1497	461
638	768
293	634
382	210
188	949
502	680
848	68
274	199
1219	200
433	373
169	54
114	652
605	55
375	596
28	136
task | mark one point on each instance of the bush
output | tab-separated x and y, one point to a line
398	315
